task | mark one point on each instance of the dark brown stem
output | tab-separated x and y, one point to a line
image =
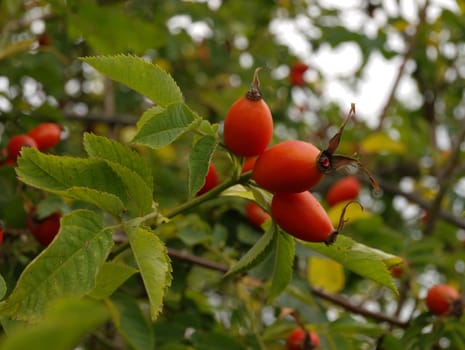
346	304
333	298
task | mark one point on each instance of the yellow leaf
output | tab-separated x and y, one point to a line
379	142
326	274
353	212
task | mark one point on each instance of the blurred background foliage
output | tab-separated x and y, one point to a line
412	142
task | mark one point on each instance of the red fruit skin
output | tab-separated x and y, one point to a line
256	215
249	164
17	142
296	75
46	229
302	216
347	188
397	271
440	299
46	135
295	339
289	166
211	180
248	127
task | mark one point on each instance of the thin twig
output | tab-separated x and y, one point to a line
424	204
408	53
333	298
444	181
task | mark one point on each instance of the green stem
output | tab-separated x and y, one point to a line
207	196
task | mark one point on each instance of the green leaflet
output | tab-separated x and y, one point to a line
257	253
91	180
199	161
68	267
283	264
110	277
159	127
154	265
363	260
3	287
129	166
140	75
113	151
131	323
65	323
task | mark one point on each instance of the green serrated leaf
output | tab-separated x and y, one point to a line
160	127
110	277
144	77
91	180
65	323
363	260
154	265
68	267
3	287
199	161
257	253
139	194
106	201
131	323
113	151
129	166
283	264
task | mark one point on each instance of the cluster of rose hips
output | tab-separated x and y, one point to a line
289	170
43	137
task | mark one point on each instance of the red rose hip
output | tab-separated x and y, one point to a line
302	216
296	340
248	126
443	299
17	142
344	189
46	135
211	180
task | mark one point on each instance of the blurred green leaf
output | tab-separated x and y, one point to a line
131	323
68	267
111	29
65	323
110	277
